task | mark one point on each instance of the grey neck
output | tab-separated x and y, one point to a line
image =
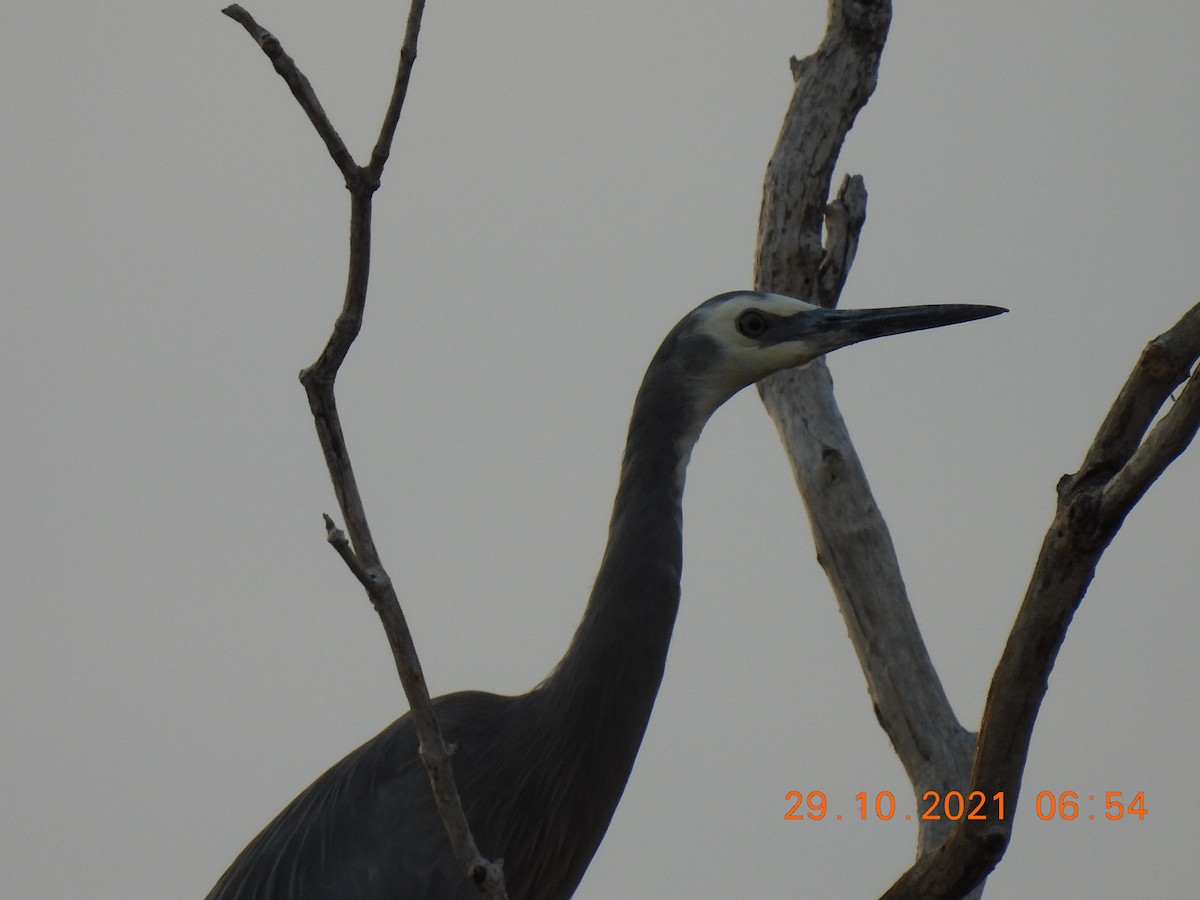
603	691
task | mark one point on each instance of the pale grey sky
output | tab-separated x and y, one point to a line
180	653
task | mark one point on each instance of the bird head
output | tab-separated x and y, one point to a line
738	338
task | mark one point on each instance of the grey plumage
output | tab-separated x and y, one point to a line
540	774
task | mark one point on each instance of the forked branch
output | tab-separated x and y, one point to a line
1125	458
852	539
356	546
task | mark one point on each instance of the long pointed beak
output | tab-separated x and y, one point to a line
829	329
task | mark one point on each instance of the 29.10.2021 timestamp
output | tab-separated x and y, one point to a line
1067	806
814	806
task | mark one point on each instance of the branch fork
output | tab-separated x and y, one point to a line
852	540
355	545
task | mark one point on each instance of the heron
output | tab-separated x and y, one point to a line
541	773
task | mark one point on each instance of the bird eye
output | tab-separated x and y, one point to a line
752	323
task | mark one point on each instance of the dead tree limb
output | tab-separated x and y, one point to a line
358	548
1127	455
852	540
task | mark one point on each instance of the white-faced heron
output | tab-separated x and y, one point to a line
540	774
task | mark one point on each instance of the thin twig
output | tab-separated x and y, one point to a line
338	540
1163	365
300	87
356	546
1166	440
408	56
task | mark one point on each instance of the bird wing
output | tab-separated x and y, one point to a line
367	829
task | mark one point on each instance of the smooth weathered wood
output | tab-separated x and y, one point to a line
852	539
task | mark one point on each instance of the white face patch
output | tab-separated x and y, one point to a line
744	360
719	321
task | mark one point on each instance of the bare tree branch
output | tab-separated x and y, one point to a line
300	87
1092	505
358	550
852	539
1169	438
1163	365
408	56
